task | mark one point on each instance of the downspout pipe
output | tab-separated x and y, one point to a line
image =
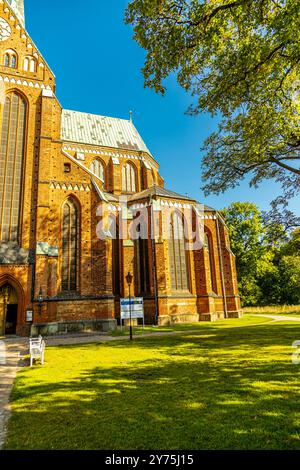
221	266
33	274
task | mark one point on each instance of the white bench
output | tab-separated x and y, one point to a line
37	349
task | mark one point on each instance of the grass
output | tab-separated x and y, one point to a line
274	309
229	385
181	327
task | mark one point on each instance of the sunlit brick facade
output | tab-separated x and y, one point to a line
58	170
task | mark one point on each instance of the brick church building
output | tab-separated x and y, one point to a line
65	176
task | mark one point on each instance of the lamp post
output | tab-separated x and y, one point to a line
129	279
40	300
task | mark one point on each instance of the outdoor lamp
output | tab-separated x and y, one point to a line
129	279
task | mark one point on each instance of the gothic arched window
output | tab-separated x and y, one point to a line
30	64
128	178
177	254
10	58
142	266
70	246
12	147
210	251
97	168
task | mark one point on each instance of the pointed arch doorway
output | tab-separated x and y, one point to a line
9	308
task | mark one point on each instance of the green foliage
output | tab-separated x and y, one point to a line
247	235
267	259
240	59
293	245
249	291
289	267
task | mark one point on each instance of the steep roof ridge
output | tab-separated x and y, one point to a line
159	191
94	129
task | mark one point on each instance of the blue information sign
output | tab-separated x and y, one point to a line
133	307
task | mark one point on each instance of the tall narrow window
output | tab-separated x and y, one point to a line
11	162
209	247
13	61
98	169
32	67
70	246
26	64
142	266
29	64
6	60
128	178
177	254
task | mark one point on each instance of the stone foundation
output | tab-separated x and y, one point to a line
166	320
237	314
61	328
212	316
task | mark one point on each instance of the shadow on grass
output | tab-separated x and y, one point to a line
227	388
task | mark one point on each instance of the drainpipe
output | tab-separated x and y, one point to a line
221	267
33	271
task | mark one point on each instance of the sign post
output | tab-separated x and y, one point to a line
133	305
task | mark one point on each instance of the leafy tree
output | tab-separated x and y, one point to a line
240	59
279	223
270	283
248	242
289	267
292	247
267	257
249	291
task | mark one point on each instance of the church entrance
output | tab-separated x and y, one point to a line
8	310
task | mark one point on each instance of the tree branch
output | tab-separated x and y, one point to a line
285	166
209	17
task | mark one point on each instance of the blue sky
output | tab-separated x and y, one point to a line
98	69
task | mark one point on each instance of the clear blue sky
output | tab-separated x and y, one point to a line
98	69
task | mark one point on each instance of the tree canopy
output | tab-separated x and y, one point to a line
240	59
267	256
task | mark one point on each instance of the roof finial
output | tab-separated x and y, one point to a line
130	114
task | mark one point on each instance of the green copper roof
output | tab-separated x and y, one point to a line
101	130
18	7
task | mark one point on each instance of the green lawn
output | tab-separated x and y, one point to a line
229	385
139	330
